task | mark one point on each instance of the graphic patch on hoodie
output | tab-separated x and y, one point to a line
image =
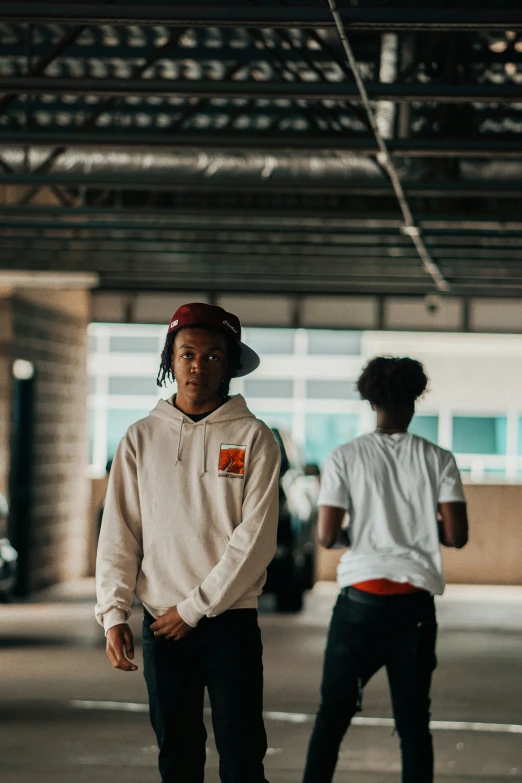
231	461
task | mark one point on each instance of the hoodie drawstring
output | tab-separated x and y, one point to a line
178	458
204	455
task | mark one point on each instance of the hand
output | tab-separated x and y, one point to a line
171	625
118	637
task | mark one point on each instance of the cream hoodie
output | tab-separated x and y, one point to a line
191	515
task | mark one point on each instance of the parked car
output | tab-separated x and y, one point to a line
292	571
8	555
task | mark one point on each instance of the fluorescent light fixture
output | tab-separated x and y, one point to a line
15	279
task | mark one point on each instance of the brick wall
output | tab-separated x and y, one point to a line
56	343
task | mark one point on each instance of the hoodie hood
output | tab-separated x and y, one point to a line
233	409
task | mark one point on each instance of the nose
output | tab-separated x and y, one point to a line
199	366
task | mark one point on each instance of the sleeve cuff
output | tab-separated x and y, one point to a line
188	612
335	502
114	617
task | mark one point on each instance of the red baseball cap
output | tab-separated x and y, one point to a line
200	314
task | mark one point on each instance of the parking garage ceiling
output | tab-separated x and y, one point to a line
224	146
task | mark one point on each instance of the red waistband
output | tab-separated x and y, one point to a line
386	587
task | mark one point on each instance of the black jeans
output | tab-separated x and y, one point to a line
223	654
366	633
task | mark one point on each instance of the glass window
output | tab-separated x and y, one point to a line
92	384
134	345
479	434
118	421
325	431
330	341
270	340
92	421
283	421
93	343
426	427
269	388
132	385
331	390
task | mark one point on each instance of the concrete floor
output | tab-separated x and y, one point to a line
67	717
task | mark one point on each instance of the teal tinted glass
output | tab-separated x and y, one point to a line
479	434
426	427
282	421
118	421
325	431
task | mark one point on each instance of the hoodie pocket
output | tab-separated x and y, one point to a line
175	565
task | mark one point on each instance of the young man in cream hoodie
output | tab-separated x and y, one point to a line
189	527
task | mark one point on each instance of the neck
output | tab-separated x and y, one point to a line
188	406
391	430
391	421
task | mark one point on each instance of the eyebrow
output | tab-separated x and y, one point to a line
216	348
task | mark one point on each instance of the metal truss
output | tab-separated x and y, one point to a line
406	16
294	242
498	147
151	186
292	91
236	79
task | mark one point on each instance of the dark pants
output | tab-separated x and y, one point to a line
223	654
368	632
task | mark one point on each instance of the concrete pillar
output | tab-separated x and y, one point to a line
49	329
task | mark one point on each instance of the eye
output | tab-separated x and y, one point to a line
214	358
186	355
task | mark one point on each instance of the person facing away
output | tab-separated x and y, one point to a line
393	485
189	527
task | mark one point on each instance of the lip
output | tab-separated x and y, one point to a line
196	384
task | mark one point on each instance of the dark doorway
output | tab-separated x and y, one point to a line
20	476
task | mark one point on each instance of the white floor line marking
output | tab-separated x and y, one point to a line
308	717
110	706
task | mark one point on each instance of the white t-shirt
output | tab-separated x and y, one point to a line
390	486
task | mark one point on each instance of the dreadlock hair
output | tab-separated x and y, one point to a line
392	383
166	374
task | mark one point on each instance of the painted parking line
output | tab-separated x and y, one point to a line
308	717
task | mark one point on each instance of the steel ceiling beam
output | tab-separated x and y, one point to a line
303	254
142	181
221	219
430	92
374	282
490	246
224	52
207	14
492	147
